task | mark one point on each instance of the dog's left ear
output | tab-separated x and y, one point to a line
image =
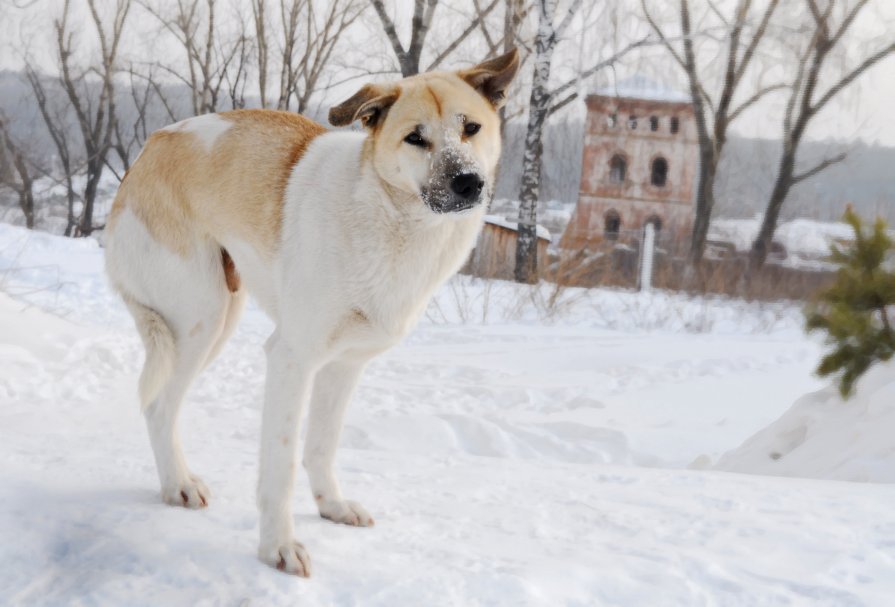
369	105
493	77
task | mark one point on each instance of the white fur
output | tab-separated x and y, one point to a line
160	350
207	127
190	296
355	268
347	247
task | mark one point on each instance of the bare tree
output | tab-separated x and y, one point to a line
408	58
830	20
126	141
259	16
423	12
303	46
91	95
236	77
309	37
55	121
97	127
97	122
210	61
543	102
21	181
741	34
515	12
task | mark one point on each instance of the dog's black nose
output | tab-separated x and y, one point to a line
467	185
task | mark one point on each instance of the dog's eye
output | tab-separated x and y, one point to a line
415	139
471	128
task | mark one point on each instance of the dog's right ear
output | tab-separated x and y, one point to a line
369	105
492	78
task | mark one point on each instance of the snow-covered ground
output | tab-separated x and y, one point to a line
806	242
513	451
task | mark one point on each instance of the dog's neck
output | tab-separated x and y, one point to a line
424	248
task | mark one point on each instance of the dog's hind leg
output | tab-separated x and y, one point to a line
333	387
194	344
180	303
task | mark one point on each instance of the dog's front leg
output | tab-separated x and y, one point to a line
290	372
333	387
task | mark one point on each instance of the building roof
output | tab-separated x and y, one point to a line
641	87
509	224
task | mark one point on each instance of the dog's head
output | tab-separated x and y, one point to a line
436	136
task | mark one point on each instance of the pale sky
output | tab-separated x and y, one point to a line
863	112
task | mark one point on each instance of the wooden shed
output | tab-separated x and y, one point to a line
494	255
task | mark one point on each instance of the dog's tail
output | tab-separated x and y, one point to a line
160	350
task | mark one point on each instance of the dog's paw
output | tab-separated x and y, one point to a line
289	558
345	512
191	493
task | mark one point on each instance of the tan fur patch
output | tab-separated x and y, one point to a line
184	193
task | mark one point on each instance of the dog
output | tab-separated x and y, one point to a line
341	236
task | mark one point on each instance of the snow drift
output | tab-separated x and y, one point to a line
823	436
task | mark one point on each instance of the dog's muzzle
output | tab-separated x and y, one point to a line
463	193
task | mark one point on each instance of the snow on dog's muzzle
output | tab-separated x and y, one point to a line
459	185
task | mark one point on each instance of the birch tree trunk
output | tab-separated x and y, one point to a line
526	270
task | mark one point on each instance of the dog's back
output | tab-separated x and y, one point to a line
218	176
196	185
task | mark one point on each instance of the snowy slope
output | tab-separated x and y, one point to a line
824	436
507	462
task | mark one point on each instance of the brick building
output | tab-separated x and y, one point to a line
639	165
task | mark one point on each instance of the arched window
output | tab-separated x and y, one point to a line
656	221
632	122
612	120
612	224
675	124
618	168
659	172
654	123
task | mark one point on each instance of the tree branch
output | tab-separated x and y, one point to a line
756	39
867	63
662	37
754	98
818	168
597	67
473	25
846	23
567	20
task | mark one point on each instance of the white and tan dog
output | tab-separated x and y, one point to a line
342	237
